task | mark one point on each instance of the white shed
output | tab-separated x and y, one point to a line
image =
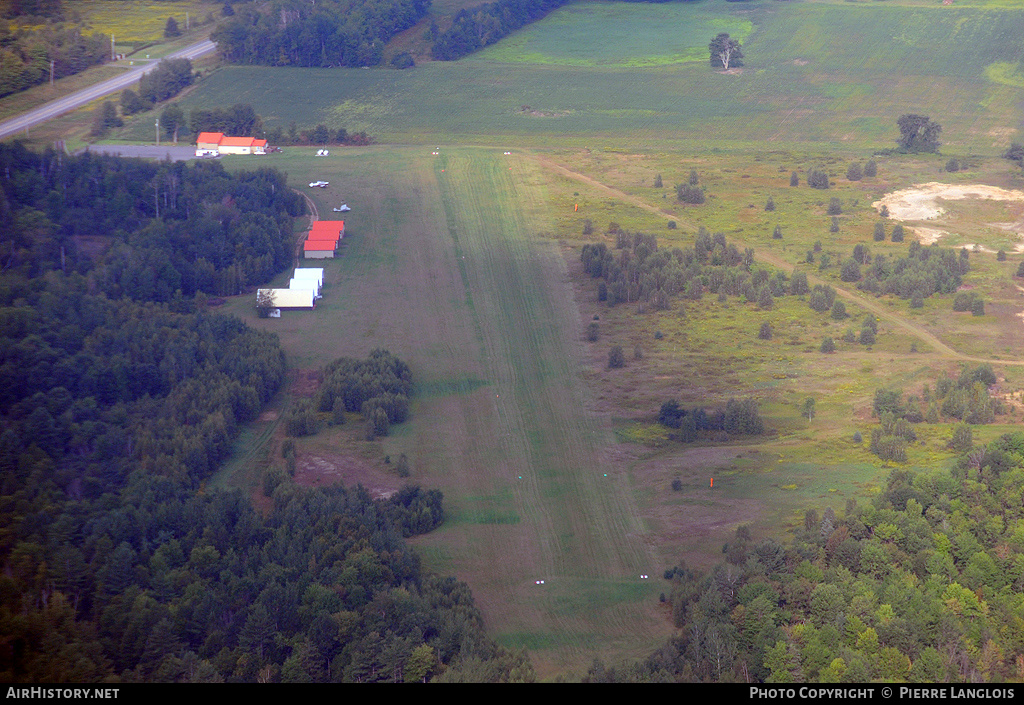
305	283
288	298
314	273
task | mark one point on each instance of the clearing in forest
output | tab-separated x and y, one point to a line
444	264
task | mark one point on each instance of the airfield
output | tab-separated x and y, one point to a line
462	257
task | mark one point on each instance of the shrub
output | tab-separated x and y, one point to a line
766	331
672	225
897	233
854	173
834	227
104	119
817	179
657	181
302	419
794	179
962	301
592	331
403	60
777	233
822	298
839	311
879	232
828	345
132	102
271	479
871	169
963	438
1001	256
952	165
769	204
978	308
616	358
688	193
671	413
850	271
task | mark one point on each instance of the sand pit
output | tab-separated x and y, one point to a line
929	235
921	202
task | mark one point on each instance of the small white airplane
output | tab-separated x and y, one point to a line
319	184
343	209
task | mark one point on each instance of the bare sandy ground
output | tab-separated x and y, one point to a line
921	202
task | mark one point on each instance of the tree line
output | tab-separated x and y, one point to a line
922	584
474	28
241	120
322	34
161	228
170	77
739	418
29	57
924	271
377	387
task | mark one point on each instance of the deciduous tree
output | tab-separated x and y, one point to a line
918	133
725	52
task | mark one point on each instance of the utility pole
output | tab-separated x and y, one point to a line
113	52
158	132
51	73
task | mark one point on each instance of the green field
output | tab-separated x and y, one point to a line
814	73
465	264
443	268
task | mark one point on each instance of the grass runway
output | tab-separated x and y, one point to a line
444	265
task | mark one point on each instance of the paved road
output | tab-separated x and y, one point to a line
75	100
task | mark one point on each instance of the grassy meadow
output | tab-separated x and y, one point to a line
442	266
828	75
466	265
142	22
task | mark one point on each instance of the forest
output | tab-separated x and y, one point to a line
121	392
162	228
26	55
924	583
328	33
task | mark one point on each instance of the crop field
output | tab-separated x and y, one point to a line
466	265
814	73
140	21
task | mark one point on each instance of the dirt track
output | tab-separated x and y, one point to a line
781	264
